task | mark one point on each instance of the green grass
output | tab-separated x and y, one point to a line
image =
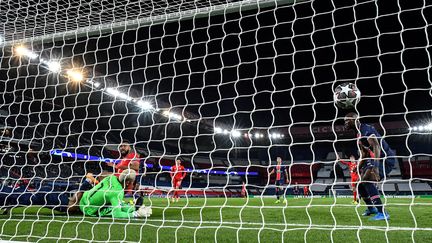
230	220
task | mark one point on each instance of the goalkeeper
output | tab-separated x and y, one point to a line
52	198
105	199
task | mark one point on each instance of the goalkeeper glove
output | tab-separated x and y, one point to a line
143	212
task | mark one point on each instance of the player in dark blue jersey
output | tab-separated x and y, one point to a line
281	178
373	167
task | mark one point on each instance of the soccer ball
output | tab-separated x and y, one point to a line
346	95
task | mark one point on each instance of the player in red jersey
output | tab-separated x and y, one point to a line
352	165
178	172
130	160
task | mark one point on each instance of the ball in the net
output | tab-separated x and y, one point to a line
346	95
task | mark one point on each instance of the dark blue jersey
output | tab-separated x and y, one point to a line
366	131
279	171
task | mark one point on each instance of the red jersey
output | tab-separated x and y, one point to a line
178	172
352	165
126	161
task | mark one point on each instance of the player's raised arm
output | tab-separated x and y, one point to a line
338	159
271	172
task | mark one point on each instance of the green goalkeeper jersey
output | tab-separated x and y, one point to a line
105	199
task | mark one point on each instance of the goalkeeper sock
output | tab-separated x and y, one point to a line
139	202
374	196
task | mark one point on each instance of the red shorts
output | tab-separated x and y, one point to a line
176	183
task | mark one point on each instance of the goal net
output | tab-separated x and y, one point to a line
215	121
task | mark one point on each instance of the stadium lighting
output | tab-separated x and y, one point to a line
23	51
217	130
235	133
225	132
119	94
426	127
20	50
257	135
125	96
275	135
95	84
175	116
113	92
54	66
1	40
145	105
172	115
75	75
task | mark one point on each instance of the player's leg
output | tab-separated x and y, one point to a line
277	189
178	187
354	189
284	194
376	200
371	176
366	198
173	190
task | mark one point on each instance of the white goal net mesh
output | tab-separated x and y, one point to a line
225	112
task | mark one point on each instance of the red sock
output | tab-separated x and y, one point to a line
355	195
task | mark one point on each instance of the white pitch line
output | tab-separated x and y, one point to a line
311	226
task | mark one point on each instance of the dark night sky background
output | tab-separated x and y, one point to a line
259	69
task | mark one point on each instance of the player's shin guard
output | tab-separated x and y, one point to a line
277	193
365	196
374	196
355	195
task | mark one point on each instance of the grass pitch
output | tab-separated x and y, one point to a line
231	220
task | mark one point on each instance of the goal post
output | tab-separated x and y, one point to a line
172	12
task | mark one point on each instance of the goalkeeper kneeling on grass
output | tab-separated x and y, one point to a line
106	198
